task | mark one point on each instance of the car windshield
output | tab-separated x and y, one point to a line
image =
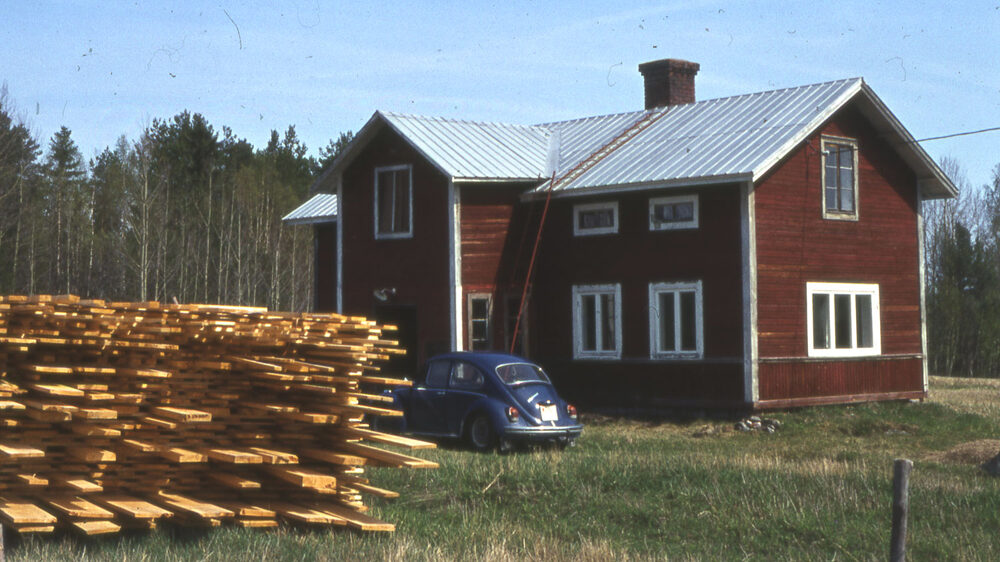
517	373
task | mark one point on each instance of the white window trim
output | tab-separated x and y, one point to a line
391	235
691	224
654	325
839	215
577	209
489	318
578	292
852	289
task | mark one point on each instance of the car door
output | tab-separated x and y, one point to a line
428	412
465	387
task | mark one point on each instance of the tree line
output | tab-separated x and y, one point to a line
184	211
962	249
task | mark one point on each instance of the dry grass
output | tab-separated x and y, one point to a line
974	396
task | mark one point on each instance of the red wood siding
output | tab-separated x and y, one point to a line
797	382
417	267
648	384
493	238
635	257
796	245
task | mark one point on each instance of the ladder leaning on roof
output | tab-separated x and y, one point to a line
634	129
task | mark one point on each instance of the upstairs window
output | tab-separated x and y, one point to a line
595	218
394	202
843	319
840	178
673	213
675	320
597	321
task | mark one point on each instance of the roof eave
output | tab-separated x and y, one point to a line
310	220
643	186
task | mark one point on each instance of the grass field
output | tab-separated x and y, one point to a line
818	489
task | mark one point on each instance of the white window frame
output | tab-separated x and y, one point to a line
390	235
489	319
837	214
655	289
579	291
685	225
582	208
852	289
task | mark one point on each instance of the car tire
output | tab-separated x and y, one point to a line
479	433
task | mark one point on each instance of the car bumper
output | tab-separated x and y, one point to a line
544	433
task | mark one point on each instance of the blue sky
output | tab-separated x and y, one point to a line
104	69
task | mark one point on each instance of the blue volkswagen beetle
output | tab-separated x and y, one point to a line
489	399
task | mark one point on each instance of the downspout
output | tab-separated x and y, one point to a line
751	381
455	265
922	274
340	242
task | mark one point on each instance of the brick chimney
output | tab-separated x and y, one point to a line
668	82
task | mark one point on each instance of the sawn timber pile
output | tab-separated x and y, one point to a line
121	414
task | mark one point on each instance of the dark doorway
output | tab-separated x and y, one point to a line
403	317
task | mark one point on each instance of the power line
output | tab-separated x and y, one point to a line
959	134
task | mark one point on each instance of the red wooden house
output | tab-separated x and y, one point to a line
755	251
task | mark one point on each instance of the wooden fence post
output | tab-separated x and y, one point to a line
900	508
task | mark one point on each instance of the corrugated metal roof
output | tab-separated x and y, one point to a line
736	138
321	207
472	150
727	137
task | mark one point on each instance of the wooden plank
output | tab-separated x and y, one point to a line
334	457
56	390
388	438
306	514
233	456
80	485
233	480
97	527
19	452
22	512
356	519
179	455
304	477
184	504
270	456
78	507
388	457
183	414
91	454
32	480
133	507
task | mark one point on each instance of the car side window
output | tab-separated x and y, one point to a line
437	374
465	376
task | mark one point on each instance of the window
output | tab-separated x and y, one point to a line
393	202
843	319
595	218
480	311
465	376
597	322
673	213
437	374
675	320
840	182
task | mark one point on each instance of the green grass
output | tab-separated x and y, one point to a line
818	489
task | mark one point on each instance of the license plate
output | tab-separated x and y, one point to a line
549	412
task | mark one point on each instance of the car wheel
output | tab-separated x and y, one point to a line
480	434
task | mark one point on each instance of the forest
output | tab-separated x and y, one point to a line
193	213
185	211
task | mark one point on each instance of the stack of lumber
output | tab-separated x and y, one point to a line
122	415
